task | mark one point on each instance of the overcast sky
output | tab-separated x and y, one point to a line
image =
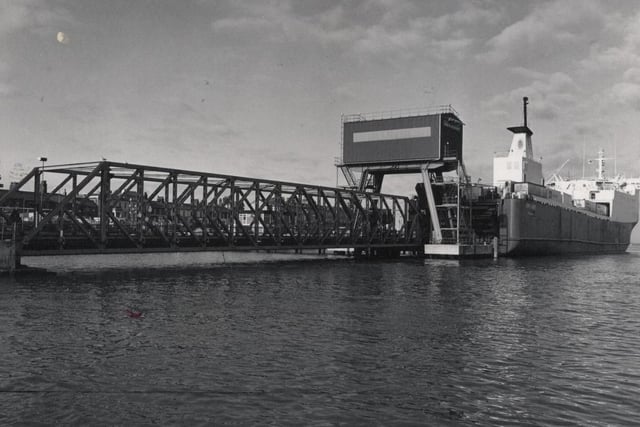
257	88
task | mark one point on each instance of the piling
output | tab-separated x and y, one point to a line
8	258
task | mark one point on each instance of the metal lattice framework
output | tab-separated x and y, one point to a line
109	207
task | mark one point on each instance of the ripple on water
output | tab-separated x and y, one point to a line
532	341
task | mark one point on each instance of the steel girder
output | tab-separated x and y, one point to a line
110	207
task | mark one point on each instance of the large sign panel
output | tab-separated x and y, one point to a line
403	139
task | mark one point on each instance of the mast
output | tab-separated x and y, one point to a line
584	155
601	160
525	101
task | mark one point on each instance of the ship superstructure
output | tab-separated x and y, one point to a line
614	197
519	164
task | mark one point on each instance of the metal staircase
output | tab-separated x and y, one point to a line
448	201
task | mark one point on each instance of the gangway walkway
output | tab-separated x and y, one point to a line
110	207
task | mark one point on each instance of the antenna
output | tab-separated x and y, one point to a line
584	149
601	159
615	156
557	171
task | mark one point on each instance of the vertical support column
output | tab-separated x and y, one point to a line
192	201
364	177
257	211
192	207
377	180
105	189
233	218
336	216
174	208
366	220
468	193
411	223
74	202
167	208
60	224
321	215
277	214
142	206
37	198
458	212
8	258
433	212
203	209
404	215
408	223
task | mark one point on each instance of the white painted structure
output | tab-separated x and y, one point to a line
518	165
616	197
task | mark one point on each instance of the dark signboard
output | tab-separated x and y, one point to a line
403	139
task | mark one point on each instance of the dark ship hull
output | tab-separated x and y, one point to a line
531	227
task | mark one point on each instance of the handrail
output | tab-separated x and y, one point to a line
408	112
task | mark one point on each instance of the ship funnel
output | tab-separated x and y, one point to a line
525	101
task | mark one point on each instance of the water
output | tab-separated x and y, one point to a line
536	341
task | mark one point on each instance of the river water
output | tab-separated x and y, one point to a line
532	341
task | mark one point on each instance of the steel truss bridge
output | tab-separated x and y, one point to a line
109	207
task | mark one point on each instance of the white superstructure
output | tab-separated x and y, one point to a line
616	197
519	164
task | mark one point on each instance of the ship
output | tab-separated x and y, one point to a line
561	216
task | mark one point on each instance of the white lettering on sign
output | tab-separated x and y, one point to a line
392	134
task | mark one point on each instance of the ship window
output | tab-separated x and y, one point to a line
593	195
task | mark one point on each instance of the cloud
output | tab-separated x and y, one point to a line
446	35
627	93
14	15
185	128
31	15
243	24
366	27
549	94
470	17
551	29
620	49
6	89
632	75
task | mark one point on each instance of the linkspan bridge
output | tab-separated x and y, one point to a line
110	207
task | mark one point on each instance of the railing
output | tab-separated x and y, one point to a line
379	115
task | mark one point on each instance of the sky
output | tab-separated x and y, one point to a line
257	88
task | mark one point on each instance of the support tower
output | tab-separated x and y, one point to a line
428	143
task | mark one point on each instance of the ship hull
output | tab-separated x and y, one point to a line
530	227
